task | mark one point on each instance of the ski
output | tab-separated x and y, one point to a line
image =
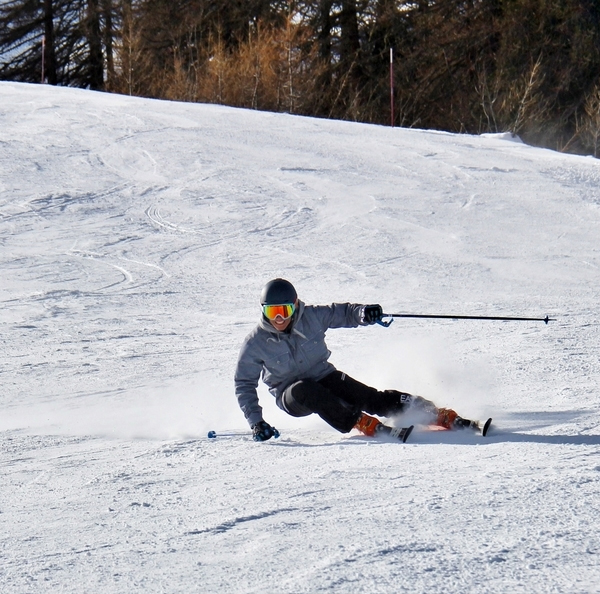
399	433
486	427
461	424
475	426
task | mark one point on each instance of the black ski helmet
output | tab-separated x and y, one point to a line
277	292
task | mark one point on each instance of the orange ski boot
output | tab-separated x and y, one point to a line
446	418
367	425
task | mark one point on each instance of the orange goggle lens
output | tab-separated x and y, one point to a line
285	311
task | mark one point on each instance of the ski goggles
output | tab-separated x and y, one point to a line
285	311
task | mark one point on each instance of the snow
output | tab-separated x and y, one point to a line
135	238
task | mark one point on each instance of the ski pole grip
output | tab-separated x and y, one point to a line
383	323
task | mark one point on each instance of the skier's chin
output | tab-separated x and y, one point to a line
280	326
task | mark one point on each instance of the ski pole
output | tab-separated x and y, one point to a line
453	317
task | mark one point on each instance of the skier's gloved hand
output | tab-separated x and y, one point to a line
262	431
372	314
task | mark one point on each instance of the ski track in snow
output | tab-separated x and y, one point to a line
135	237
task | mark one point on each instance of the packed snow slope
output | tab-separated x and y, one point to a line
135	237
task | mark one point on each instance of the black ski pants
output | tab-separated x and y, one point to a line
339	400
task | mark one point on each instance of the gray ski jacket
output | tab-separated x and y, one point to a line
282	358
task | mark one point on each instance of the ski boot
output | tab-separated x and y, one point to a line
367	425
372	427
450	420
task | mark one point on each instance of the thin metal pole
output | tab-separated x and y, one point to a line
43	59
392	86
451	317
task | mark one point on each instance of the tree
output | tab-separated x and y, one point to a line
77	36
22	26
473	66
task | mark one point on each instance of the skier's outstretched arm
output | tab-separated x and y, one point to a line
247	375
348	315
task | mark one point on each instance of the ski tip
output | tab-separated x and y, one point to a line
486	427
407	433
212	434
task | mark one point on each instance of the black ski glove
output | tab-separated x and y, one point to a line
372	314
262	431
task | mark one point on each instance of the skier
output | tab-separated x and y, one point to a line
288	349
